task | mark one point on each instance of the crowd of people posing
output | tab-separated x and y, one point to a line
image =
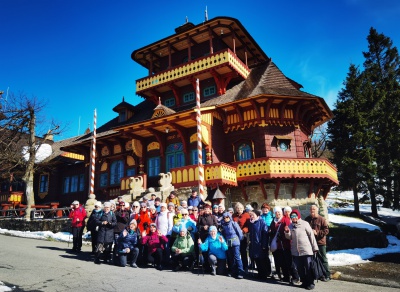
188	234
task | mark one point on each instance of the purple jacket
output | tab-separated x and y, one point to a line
154	241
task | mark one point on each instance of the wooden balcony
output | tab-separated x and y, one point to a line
220	61
285	168
217	173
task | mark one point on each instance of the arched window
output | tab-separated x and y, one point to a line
116	172
175	156
244	152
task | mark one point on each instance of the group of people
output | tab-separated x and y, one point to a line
181	234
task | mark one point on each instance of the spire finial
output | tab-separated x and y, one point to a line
206	14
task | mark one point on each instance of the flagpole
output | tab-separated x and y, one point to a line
199	143
93	158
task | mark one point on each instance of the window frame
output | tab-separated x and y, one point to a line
189	97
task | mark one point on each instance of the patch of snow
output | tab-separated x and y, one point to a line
42	152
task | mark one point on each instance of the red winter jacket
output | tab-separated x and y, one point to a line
78	213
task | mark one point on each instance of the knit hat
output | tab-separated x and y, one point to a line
230	209
164	205
97	204
75	202
171	204
249	207
227	214
183	228
136	203
153	224
133	222
277	209
215	207
107	204
122	203
212	228
287	209
297	213
143	205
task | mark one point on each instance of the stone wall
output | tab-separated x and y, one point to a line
256	198
53	225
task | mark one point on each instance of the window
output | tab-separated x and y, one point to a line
175	156
170	102
116	172
122	116
103	180
208	91
195	156
44	183
66	185
130	172
306	151
81	183
188	97
244	152
153	166
74	184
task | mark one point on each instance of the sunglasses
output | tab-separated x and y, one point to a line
293	216
184	214
144	207
195	210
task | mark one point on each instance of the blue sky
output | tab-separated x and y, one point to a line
75	54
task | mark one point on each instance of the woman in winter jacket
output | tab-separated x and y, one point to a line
105	237
143	218
304	246
155	242
78	215
216	247
185	223
127	245
183	250
267	215
258	244
91	225
233	235
282	255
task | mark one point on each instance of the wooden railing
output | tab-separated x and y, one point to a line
216	173
285	168
225	57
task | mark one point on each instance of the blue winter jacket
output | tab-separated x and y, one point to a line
231	231
258	237
195	202
268	218
187	223
129	241
215	247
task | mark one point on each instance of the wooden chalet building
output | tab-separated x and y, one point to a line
256	124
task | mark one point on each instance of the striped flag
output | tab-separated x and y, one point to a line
93	158
199	145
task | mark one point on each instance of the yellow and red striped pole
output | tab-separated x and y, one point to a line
93	158
199	144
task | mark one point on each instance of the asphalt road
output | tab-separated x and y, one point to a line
39	265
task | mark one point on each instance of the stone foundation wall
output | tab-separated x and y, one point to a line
256	198
53	225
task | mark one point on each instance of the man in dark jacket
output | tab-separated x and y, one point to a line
105	237
91	225
321	230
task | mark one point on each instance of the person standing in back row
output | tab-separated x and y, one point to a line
242	219
78	215
321	230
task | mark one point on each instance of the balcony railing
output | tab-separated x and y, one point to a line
217	173
285	168
218	59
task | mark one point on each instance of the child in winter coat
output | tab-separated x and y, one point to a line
233	235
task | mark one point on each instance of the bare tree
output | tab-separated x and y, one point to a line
318	140
20	120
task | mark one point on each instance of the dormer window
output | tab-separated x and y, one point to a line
122	116
208	91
